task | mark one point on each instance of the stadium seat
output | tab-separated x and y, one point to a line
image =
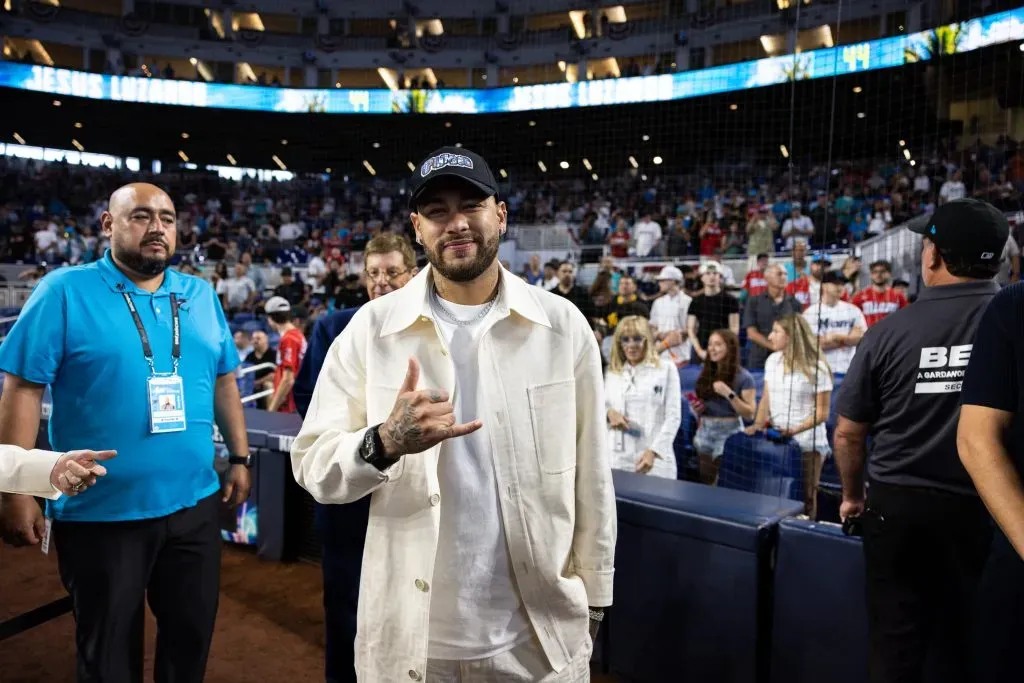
254	326
819	621
242	317
758	465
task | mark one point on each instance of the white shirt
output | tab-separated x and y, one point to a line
28	471
952	190
290	232
792	399
669	313
842	318
236	290
315	269
472	559
646	234
800	227
922	183
650	398
554	484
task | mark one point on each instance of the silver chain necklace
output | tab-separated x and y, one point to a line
438	307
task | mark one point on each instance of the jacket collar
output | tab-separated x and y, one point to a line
174	282
970	288
411	303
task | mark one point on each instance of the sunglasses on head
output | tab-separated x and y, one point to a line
633	339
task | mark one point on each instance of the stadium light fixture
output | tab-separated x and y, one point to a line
502	173
280	164
337	84
56	103
1022	47
733	107
632	162
412	166
78	124
857	89
232	161
532	124
184	136
657	161
564	165
549	143
21	140
376	145
594	176
643	176
586	164
369	167
184	157
906	153
515	80
542	167
646	138
447	124
284	142
913	163
193	61
861	115
561	65
459	145
785	151
327	170
78	145
903	143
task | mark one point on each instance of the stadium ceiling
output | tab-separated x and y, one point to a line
872	112
373	9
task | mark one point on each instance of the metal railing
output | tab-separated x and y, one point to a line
242	372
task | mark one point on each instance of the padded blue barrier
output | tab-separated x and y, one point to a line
757	465
692	581
820	623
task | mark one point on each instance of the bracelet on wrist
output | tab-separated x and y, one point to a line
596	614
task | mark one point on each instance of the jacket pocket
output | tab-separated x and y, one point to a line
553	417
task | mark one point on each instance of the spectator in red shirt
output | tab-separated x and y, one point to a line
880	299
710	236
290	350
754	283
618	241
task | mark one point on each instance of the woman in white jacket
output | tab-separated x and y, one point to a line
642	397
47	474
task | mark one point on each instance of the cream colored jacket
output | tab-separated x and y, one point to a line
546	423
27	471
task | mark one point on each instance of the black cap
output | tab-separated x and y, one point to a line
969	228
452	162
833	278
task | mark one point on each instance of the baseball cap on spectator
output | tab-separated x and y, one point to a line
823	259
452	162
670	273
833	278
277	304
967	228
710	267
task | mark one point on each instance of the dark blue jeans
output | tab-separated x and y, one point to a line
342	532
1000	619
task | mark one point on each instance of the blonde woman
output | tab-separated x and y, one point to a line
796	396
643	402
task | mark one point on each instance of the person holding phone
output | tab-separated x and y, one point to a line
643	402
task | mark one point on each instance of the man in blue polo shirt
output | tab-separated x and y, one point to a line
390	263
138	358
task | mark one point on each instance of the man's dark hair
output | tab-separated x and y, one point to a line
280	317
958	266
564	263
882	264
761	256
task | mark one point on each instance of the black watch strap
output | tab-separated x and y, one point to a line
372	450
240	460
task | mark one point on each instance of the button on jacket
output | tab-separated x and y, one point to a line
546	425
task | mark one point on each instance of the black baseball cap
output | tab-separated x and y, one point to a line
452	162
833	278
969	228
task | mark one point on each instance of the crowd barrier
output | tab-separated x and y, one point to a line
711	583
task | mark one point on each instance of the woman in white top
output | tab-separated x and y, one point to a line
47	474
796	396
643	402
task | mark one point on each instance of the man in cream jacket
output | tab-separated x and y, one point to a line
47	474
470	405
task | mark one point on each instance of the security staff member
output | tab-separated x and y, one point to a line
389	262
926	532
139	359
991	442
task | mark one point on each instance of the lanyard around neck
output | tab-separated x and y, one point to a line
147	350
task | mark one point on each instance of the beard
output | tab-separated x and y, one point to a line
133	259
464	271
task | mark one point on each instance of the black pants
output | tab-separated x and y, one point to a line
1000	617
110	568
924	551
342	532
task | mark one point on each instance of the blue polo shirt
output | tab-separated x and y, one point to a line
76	334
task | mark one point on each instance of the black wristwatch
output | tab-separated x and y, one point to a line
246	460
372	450
732	396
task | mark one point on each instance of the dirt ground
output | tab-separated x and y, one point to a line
269	626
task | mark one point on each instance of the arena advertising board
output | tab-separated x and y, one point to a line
825	63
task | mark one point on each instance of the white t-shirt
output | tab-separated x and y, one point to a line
952	190
841	318
646	235
669	313
475	608
315	269
792	399
236	290
800	227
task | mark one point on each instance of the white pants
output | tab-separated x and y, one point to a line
524	663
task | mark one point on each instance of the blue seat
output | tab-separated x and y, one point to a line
819	590
254	326
243	317
758	465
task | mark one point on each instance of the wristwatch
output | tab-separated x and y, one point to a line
732	395
372	450
246	460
